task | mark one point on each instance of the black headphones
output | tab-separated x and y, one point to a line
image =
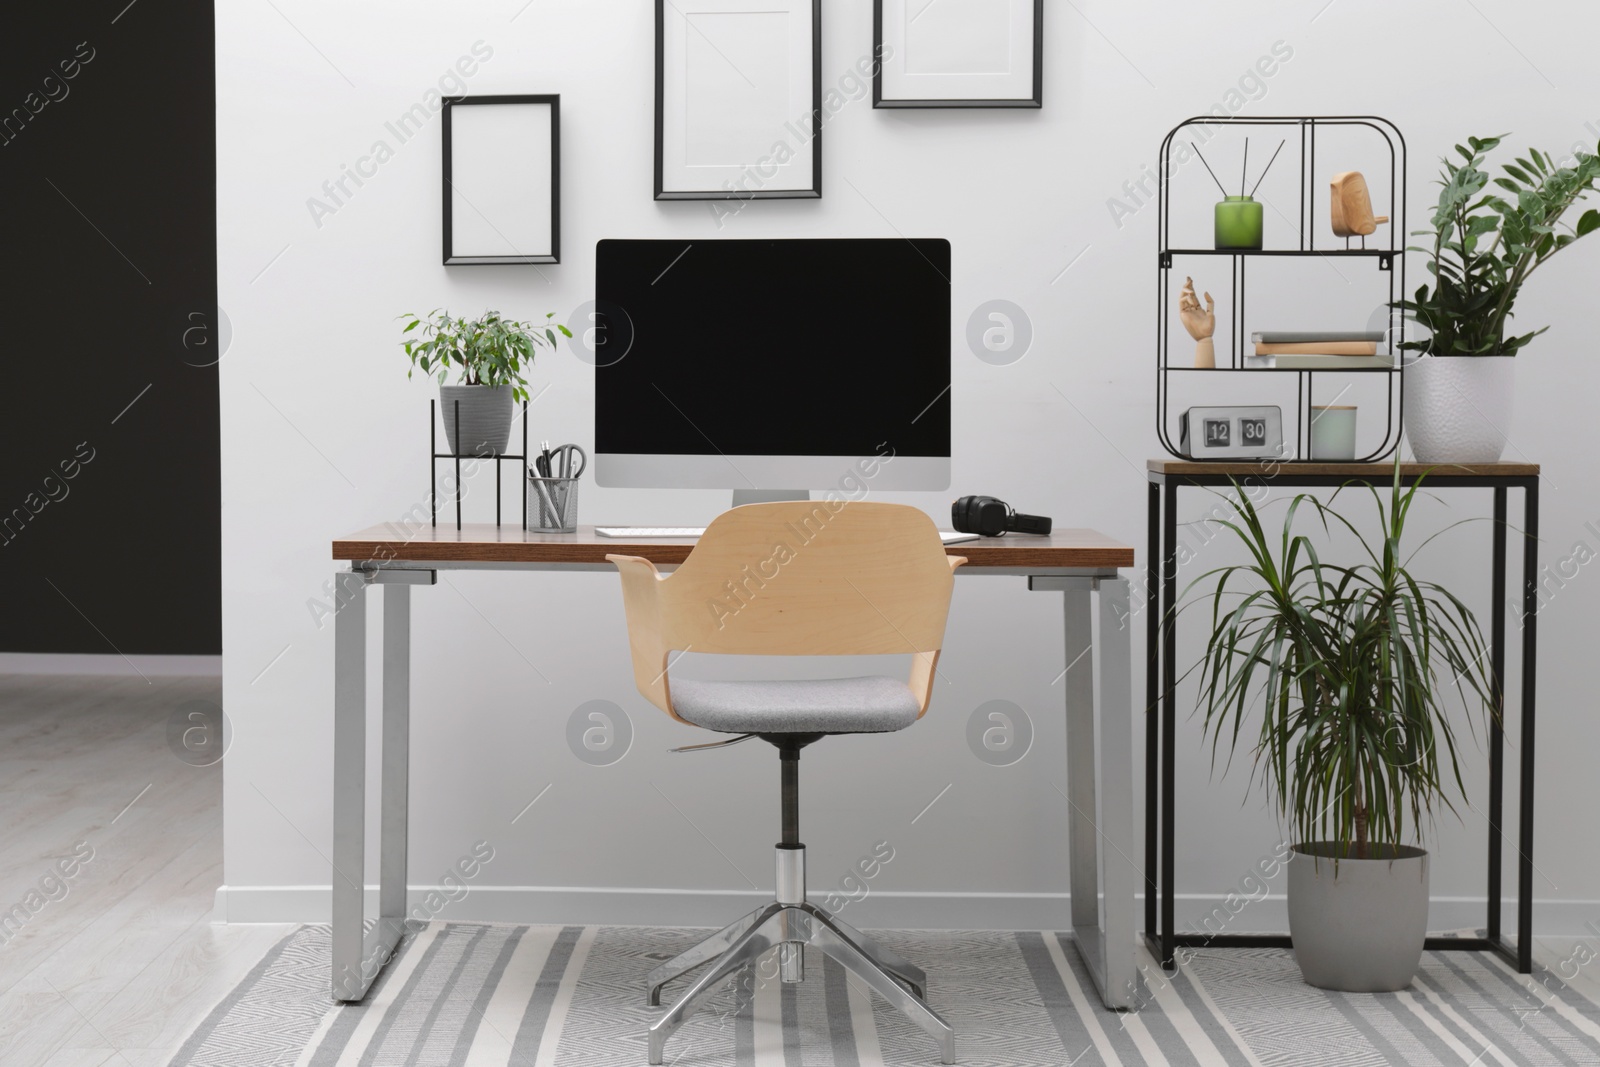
990	517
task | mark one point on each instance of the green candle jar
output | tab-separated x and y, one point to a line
1238	223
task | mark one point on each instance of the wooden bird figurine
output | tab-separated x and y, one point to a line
1351	207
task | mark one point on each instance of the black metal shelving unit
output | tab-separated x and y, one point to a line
1389	260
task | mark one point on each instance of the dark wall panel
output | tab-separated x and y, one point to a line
109	483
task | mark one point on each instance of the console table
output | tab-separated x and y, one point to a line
1079	564
1166	477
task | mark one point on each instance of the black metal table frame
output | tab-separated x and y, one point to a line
1160	734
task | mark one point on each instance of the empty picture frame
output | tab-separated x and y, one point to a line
958	53
738	99
502	179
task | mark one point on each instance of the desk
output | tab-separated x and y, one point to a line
1166	477
1074	563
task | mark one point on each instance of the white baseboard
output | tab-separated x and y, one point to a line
493	903
133	666
1551	918
612	906
616	906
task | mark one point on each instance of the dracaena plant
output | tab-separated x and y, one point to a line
1487	242
1340	680
488	350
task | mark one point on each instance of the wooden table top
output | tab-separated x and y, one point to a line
1265	469
481	542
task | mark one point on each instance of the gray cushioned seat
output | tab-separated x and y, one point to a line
807	706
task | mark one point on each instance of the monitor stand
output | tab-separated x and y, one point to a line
742	497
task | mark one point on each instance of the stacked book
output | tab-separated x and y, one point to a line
1317	350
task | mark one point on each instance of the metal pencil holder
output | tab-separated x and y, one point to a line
552	504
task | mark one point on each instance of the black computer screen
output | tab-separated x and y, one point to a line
773	347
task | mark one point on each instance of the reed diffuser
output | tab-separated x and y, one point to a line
1238	219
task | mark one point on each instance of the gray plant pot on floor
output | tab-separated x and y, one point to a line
485	418
1360	928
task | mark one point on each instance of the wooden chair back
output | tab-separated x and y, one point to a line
798	578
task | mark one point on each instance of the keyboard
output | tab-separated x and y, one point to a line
632	532
949	537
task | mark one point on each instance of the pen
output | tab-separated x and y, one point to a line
547	504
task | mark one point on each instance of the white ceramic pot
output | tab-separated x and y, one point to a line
1358	925
486	414
1458	408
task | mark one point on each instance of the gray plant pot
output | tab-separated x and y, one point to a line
1359	928
485	418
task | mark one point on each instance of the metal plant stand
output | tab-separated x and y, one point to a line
1166	478
434	456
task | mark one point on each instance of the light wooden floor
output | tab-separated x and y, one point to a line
119	968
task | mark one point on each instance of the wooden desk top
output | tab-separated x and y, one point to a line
481	542
1267	470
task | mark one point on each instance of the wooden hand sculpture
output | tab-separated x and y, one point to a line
1200	324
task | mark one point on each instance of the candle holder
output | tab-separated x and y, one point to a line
1238	223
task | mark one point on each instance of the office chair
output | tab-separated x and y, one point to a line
796	579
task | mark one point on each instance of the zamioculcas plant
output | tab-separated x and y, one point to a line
1488	241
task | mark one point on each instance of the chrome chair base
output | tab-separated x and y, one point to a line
776	925
787	925
718	943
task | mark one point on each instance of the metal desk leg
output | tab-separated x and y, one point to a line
1083	844
1121	876
1103	927
394	805
349	783
358	954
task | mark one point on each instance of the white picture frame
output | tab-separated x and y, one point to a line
502	179
738	99
958	53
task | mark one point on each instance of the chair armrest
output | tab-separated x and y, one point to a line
924	665
641	603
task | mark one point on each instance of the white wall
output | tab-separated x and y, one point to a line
323	434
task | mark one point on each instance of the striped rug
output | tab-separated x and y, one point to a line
478	995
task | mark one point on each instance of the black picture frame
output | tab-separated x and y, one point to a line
813	193
1035	101
451	258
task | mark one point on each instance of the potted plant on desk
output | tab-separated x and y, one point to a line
490	353
1458	397
1352	669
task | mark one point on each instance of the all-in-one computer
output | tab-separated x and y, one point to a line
772	367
